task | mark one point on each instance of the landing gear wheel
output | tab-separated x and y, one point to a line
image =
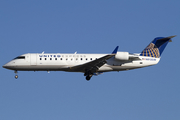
88	74
88	78
16	76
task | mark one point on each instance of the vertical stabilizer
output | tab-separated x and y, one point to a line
156	47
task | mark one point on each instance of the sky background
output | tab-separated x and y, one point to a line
67	26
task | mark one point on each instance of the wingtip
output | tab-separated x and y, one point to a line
115	50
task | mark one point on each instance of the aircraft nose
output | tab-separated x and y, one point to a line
5	66
8	65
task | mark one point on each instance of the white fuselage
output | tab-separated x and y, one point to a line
63	62
90	64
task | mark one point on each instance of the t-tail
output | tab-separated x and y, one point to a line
156	47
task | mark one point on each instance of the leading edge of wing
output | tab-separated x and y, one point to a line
92	66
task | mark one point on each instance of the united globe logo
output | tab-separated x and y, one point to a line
151	51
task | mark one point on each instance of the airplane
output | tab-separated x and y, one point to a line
90	64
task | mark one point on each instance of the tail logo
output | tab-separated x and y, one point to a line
151	51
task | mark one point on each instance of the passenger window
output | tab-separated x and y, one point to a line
91	58
81	59
40	58
61	59
55	58
50	58
45	58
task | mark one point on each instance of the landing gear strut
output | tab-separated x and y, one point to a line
16	76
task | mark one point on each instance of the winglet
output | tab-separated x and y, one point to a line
115	50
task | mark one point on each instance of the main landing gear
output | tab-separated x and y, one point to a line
88	75
16	76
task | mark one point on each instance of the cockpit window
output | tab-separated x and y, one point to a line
20	57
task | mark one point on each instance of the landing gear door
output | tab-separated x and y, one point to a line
33	60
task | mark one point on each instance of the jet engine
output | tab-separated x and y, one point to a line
122	56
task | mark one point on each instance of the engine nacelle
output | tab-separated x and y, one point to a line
122	56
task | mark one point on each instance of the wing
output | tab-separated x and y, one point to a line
92	66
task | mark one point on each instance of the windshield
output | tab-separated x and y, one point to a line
20	57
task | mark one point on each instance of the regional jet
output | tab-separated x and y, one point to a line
90	64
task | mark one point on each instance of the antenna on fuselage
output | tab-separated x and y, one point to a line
43	52
75	52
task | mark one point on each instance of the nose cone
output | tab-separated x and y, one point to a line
8	66
5	66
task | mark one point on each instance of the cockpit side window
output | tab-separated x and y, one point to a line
19	57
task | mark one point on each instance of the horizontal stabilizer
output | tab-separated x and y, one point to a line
171	36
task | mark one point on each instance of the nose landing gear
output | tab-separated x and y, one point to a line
16	76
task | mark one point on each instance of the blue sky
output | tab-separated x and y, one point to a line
89	27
